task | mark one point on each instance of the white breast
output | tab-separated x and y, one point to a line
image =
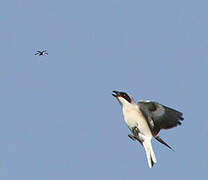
134	118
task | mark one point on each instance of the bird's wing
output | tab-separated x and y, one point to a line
37	53
159	116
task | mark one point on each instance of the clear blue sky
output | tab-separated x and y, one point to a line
58	118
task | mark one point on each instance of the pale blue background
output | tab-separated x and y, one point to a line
58	119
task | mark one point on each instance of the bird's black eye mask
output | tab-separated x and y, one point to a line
125	96
122	94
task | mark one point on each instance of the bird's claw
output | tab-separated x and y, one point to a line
132	137
135	131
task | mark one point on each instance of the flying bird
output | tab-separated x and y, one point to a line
145	119
41	53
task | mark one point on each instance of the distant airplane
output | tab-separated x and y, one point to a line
41	53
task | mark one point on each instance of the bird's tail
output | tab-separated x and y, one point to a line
151	159
163	142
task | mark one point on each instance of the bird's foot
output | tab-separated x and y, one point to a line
135	131
132	137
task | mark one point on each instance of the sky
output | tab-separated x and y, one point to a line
58	119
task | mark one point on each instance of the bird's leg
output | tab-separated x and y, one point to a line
132	137
136	135
135	131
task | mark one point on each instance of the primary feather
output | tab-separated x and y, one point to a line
159	116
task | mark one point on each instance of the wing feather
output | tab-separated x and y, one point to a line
159	116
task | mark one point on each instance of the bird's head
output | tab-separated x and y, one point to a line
123	98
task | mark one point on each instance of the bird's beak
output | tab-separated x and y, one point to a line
116	94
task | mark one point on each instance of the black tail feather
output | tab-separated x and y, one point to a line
163	142
152	162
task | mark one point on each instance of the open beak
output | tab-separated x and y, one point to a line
116	94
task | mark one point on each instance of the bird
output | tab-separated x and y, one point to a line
41	53
145	119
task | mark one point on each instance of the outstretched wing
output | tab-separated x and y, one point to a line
159	116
